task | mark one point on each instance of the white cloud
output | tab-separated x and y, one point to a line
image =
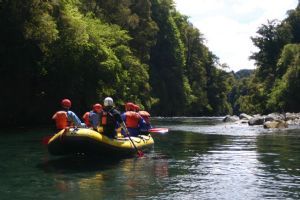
228	25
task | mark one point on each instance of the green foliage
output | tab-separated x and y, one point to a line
285	95
167	63
276	81
293	20
244	73
272	37
254	101
133	50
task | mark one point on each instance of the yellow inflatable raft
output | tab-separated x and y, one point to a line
87	141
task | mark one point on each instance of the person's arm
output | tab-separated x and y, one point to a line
73	117
123	117
54	116
94	119
143	125
119	119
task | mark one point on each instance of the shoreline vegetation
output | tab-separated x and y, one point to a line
141	51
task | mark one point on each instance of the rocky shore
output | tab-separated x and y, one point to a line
273	120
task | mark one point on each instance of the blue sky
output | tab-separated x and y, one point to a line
227	25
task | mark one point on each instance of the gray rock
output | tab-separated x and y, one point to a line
269	118
291	116
229	118
276	116
256	121
294	122
243	121
245	116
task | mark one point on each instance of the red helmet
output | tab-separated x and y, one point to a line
136	108
129	106
97	107
66	103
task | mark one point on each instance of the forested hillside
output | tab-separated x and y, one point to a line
133	50
143	51
275	85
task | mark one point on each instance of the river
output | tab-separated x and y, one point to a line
200	158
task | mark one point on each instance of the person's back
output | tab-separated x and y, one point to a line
110	118
66	118
146	116
61	119
94	115
86	119
133	121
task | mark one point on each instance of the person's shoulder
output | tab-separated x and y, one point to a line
115	111
92	112
70	112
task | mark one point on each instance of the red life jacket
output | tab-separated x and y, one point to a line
132	119
103	118
86	118
61	119
145	115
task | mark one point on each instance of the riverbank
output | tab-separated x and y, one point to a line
272	120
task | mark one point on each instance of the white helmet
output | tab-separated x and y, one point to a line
108	101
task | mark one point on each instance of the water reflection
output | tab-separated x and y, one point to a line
198	159
280	154
166	121
225	169
91	178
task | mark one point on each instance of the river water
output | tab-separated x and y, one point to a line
200	158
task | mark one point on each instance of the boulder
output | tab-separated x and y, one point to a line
229	118
294	122
245	116
275	124
259	120
292	116
276	116
243	121
269	118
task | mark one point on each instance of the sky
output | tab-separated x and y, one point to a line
227	25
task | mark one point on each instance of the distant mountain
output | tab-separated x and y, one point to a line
243	73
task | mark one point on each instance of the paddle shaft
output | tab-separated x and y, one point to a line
140	153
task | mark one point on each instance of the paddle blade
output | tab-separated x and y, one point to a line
158	130
140	153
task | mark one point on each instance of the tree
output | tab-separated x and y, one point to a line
167	63
285	95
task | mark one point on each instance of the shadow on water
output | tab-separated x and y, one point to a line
78	163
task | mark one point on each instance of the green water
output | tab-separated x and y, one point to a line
200	158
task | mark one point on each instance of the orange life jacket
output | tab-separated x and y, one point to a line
61	119
145	115
86	118
132	119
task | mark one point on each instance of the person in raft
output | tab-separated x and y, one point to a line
91	118
146	116
134	122
110	118
65	117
